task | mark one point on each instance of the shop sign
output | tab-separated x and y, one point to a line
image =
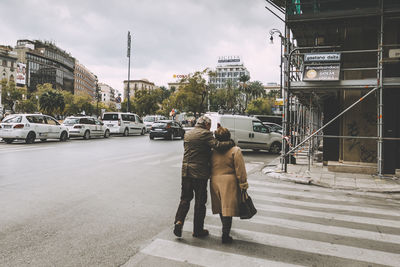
394	53
328	72
321	57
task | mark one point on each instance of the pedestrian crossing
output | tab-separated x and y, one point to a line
296	225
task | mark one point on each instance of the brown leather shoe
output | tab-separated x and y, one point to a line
202	233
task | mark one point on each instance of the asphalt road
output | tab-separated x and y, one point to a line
89	202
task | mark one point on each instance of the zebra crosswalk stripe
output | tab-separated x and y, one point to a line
330	215
352	208
203	256
327	229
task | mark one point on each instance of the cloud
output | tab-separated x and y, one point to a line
168	37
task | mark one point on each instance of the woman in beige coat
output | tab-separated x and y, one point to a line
228	174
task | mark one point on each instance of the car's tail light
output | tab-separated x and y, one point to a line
78	126
19	126
119	122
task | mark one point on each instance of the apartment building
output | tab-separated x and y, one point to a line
84	81
229	68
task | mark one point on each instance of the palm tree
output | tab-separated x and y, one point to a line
51	101
256	90
244	79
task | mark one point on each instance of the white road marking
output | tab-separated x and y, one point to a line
327	229
204	257
352	208
329	215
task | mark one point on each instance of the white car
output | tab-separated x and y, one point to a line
30	127
124	123
149	120
86	127
248	132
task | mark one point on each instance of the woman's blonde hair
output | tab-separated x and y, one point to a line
222	134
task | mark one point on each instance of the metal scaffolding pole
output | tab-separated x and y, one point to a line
380	96
285	145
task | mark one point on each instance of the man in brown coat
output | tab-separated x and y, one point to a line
195	174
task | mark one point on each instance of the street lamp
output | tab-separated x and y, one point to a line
271	38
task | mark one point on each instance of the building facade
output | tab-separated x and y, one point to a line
108	94
345	70
85	81
46	63
229	68
8	64
135	85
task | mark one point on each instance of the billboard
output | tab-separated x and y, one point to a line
329	72
21	73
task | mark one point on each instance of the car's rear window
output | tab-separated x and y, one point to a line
110	117
160	124
71	121
149	119
13	119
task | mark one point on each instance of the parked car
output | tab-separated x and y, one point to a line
30	127
86	127
149	120
167	129
124	123
248	132
273	127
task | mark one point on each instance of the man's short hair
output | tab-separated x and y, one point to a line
203	121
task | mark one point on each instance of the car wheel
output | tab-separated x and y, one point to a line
30	139
63	137
126	132
151	137
171	136
86	135
275	148
143	131
8	140
107	134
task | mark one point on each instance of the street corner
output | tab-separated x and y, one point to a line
277	173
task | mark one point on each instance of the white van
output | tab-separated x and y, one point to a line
124	123
247	132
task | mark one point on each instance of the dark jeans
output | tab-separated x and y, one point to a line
199	188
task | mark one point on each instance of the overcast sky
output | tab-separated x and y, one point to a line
168	36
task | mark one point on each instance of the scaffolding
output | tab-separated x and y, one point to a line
303	127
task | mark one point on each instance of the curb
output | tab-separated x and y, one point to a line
273	171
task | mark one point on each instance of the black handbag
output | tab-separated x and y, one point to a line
246	206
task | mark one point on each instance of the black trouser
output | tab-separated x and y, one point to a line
226	224
199	187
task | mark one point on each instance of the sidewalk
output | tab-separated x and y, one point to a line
320	176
